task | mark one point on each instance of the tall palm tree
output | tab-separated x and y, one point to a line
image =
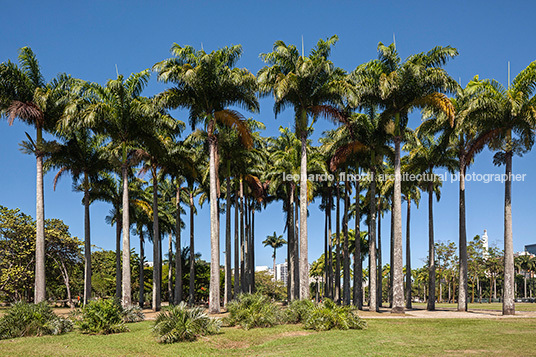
206	85
83	157
24	94
514	115
118	111
471	130
399	87
426	154
275	242
310	85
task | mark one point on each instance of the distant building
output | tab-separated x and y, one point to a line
262	268
281	272
485	243
531	249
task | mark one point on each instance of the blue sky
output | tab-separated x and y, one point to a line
88	40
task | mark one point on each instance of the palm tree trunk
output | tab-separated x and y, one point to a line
337	297
87	244
170	268
462	288
157	264
326	274
191	293
290	244
373	282
228	253
358	265
508	296
118	277
214	289
40	281
304	262
346	254
391	254
242	240
126	290
431	251
397	268
408	257
178	250
142	273
246	246
379	257
236	249
330	248
252	247
296	273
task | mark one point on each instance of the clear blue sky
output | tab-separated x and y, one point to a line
88	39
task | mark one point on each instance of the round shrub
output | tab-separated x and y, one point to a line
253	310
133	314
329	316
101	317
180	323
25	319
298	311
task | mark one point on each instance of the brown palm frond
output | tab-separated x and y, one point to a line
331	113
255	185
480	142
28	112
235	120
58	175
341	154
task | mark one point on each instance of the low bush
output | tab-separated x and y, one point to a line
180	323
253	310
25	319
298	311
100	317
328	316
133	314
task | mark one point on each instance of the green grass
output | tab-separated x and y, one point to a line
484	306
501	337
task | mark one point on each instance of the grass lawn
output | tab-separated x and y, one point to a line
504	337
484	306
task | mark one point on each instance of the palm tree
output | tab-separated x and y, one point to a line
513	111
24	94
118	111
398	87
310	85
206	85
83	157
275	242
470	132
425	154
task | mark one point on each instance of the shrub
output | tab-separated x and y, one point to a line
133	314
329	316
24	319
181	323
101	317
253	310
298	311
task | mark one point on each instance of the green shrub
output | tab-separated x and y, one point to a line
329	316
101	317
25	319
298	311
253	310
180	323
133	314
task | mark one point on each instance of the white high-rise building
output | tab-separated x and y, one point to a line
281	272
485	242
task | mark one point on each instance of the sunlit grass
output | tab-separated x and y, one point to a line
502	337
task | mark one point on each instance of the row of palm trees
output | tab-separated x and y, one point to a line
113	128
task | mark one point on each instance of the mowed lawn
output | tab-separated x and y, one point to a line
520	306
406	337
